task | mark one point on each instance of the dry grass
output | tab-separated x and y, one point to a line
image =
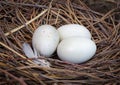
19	19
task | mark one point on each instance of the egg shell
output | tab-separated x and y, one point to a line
45	40
73	30
76	49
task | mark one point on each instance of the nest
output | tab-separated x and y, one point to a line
20	18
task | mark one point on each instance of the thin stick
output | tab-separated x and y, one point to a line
20	80
61	70
12	50
18	28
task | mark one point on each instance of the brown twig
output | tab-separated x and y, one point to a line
20	80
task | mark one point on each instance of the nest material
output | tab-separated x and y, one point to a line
19	19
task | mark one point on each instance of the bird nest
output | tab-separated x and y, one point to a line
20	18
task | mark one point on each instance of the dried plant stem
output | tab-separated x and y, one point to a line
12	50
61	70
20	80
20	27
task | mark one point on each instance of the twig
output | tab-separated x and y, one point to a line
20	80
12	50
18	28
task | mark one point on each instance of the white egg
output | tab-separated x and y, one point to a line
73	30
45	40
76	49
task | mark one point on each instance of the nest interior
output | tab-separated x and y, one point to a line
20	18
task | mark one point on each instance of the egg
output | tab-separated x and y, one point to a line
76	49
73	30
45	40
